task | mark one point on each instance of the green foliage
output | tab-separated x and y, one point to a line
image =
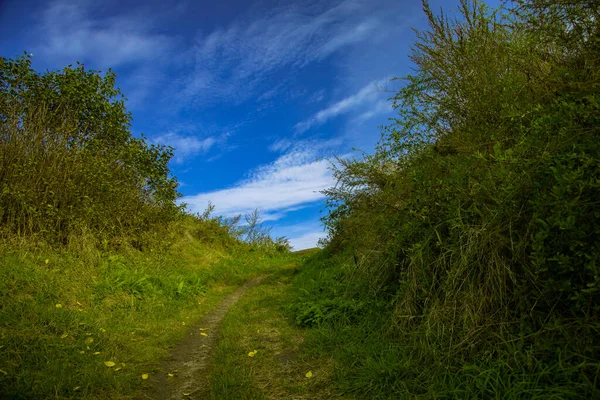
476	220
68	163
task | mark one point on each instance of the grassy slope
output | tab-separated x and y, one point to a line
372	360
62	315
259	322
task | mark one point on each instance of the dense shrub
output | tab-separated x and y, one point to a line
478	215
68	162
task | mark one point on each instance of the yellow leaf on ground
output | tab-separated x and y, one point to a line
46	261
109	364
144	376
64	335
203	329
203	334
309	374
169	374
76	388
252	353
96	353
58	305
118	369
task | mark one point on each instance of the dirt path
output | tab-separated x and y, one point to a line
190	359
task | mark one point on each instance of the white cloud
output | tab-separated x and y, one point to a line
281	145
368	93
292	181
229	63
379	108
69	32
307	241
185	146
302	236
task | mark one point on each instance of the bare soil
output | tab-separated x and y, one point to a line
189	361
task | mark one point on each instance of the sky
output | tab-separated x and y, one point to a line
255	96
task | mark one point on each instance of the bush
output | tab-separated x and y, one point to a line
479	208
68	162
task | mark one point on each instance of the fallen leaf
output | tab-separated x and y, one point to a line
203	334
76	388
96	353
144	376
46	261
252	353
203	329
118	369
309	374
64	335
58	305
171	375
109	364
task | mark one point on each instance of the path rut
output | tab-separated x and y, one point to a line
190	359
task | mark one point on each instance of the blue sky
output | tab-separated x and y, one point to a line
253	95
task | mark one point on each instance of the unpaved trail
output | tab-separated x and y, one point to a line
189	361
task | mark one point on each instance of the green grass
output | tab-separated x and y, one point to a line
374	360
63	314
259	322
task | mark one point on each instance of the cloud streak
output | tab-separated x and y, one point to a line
70	33
231	63
368	94
186	147
292	181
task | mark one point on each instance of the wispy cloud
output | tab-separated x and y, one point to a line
292	181
186	146
281	145
303	235
69	32
230	63
307	240
368	93
378	108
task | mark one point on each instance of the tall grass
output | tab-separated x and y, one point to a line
465	248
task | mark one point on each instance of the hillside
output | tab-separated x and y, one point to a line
462	258
101	271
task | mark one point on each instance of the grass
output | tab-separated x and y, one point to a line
260	323
63	314
373	360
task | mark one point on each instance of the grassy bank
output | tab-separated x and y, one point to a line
462	258
64	314
369	358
